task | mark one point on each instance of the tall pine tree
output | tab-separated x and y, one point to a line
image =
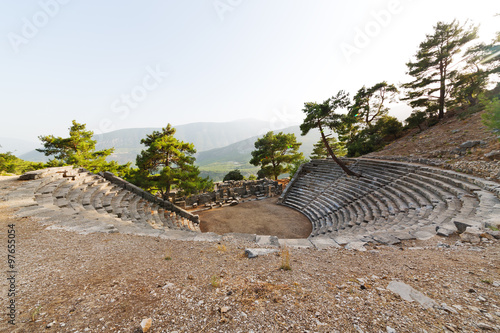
434	66
276	153
323	117
165	162
79	150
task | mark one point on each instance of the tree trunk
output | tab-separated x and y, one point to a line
167	191
330	152
442	90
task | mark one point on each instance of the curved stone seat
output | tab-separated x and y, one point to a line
391	199
79	200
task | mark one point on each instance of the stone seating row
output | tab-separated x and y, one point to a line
389	197
79	194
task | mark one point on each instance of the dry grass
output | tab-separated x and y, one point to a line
35	312
285	258
221	248
215	281
168	254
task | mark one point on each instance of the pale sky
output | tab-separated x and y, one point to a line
119	64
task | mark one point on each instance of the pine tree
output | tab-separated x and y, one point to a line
275	153
369	105
482	61
320	151
323	117
79	150
166	162
434	66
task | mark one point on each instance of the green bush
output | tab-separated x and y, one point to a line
416	119
233	175
491	116
10	164
389	126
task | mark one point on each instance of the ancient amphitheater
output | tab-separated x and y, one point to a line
390	251
392	201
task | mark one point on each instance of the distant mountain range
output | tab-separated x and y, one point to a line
205	136
221	147
17	146
217	162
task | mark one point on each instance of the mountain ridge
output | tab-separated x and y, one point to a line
204	135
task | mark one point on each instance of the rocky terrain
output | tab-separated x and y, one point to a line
70	281
464	145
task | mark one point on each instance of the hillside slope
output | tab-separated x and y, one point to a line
218	162
445	144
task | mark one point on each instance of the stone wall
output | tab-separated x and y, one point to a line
225	191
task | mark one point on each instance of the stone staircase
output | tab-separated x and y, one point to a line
392	201
76	199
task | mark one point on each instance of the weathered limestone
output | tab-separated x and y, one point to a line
74	199
409	294
230	191
392	201
255	252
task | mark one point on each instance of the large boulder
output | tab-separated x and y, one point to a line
471	144
493	155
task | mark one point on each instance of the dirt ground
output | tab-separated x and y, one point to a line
261	217
440	140
68	282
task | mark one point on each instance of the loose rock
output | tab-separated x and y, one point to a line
409	294
146	324
253	253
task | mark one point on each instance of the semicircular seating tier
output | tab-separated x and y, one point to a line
391	201
76	199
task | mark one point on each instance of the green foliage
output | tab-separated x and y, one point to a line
319	150
296	165
275	153
365	142
375	137
234	175
262	174
416	119
434	64
167	162
10	164
491	116
389	126
482	63
79	150
252	177
322	116
369	105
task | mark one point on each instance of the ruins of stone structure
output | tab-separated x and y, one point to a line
78	200
392	201
228	191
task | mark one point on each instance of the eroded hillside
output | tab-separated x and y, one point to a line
465	145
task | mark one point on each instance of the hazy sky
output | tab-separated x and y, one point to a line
116	64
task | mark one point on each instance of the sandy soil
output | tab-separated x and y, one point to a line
261	217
